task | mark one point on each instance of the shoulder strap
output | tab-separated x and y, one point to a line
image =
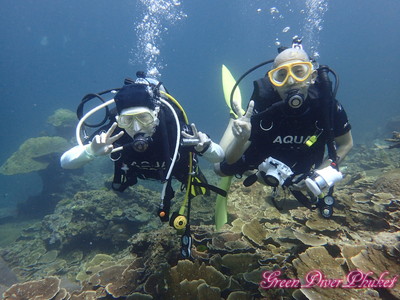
325	86
263	94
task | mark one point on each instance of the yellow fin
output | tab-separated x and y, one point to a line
221	212
228	82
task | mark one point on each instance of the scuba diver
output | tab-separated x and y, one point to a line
281	138
147	137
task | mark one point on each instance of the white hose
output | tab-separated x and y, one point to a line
178	139
87	115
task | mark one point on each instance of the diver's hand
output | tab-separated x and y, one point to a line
300	186
241	127
298	183
264	166
204	140
102	143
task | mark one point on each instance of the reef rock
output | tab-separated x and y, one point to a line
389	182
33	155
64	122
44	289
7	276
98	217
322	276
116	248
310	239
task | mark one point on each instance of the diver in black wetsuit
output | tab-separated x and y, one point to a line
291	118
146	140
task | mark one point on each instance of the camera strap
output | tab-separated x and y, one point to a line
303	199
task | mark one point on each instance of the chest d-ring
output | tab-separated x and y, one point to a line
316	125
115	159
264	128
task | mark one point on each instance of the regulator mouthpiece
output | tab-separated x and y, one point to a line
295	99
140	143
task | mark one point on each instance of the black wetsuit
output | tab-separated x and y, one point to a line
153	163
281	133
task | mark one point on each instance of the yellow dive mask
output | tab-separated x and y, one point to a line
299	71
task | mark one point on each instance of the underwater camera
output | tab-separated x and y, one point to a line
321	179
274	172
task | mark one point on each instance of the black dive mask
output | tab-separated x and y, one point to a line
140	142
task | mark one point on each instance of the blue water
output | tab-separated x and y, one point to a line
55	51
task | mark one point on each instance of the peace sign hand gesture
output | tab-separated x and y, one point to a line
204	140
241	127
102	143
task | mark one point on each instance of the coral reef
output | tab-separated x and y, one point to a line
388	184
64	122
7	277
97	220
40	155
113	246
44	289
34	154
395	139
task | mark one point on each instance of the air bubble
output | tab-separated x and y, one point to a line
157	16
273	10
